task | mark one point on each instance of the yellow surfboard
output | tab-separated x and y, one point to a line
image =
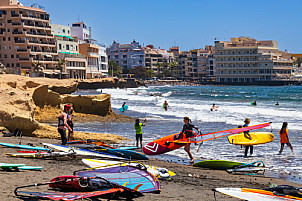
257	138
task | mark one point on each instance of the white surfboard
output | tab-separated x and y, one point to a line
82	152
254	194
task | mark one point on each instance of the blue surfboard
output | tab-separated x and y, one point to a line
23	146
125	108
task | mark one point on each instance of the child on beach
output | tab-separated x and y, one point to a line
62	124
284	138
188	130
247	135
139	131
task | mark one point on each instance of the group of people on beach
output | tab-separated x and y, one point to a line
65	122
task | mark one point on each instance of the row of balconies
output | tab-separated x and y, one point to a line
41	43
46	18
28	33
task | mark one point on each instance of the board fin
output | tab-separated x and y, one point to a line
125	184
137	187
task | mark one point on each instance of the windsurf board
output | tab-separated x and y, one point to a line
257	138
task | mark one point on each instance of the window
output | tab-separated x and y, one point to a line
60	46
13	65
8	65
4	39
8	38
12	56
63	30
67	47
71	47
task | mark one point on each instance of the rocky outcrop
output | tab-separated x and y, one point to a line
98	104
102	83
19	96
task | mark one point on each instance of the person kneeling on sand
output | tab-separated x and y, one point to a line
188	130
62	124
284	138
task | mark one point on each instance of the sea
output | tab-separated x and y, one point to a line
195	102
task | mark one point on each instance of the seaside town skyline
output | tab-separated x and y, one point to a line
46	49
174	23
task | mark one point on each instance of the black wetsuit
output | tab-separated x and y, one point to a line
188	129
62	131
248	147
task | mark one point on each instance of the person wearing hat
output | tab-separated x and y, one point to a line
62	124
247	121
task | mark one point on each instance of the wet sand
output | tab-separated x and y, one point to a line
181	187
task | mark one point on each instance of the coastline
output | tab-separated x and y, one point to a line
181	187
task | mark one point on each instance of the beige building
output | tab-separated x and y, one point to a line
68	49
25	38
196	64
157	59
245	59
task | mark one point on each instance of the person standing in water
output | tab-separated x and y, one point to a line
123	106
214	107
62	124
165	105
139	131
247	121
188	130
284	138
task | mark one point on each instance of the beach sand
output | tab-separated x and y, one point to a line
181	187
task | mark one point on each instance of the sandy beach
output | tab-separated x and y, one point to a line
181	187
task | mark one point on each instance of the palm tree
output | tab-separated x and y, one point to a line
298	61
37	67
60	65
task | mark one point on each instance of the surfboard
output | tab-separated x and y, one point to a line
254	194
128	176
125	153
69	195
257	138
171	142
124	109
41	154
23	146
217	164
160	173
30	167
82	152
6	166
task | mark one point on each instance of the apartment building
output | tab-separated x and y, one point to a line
196	64
245	59
68	49
126	55
94	53
26	39
157	59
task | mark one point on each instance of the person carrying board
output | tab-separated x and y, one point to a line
247	121
188	130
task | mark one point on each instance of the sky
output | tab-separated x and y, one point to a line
189	24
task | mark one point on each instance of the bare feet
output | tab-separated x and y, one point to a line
192	160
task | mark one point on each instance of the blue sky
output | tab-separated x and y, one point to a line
188	24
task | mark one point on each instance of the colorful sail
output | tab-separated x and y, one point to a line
126	175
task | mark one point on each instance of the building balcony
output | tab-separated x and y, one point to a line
29	25
16	23
93	54
15	16
45	44
20	41
32	17
24	51
40	35
228	62
17	33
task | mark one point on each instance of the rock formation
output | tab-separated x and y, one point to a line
19	96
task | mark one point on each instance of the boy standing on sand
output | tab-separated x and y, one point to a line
139	131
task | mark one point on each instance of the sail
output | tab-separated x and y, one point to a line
218	134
